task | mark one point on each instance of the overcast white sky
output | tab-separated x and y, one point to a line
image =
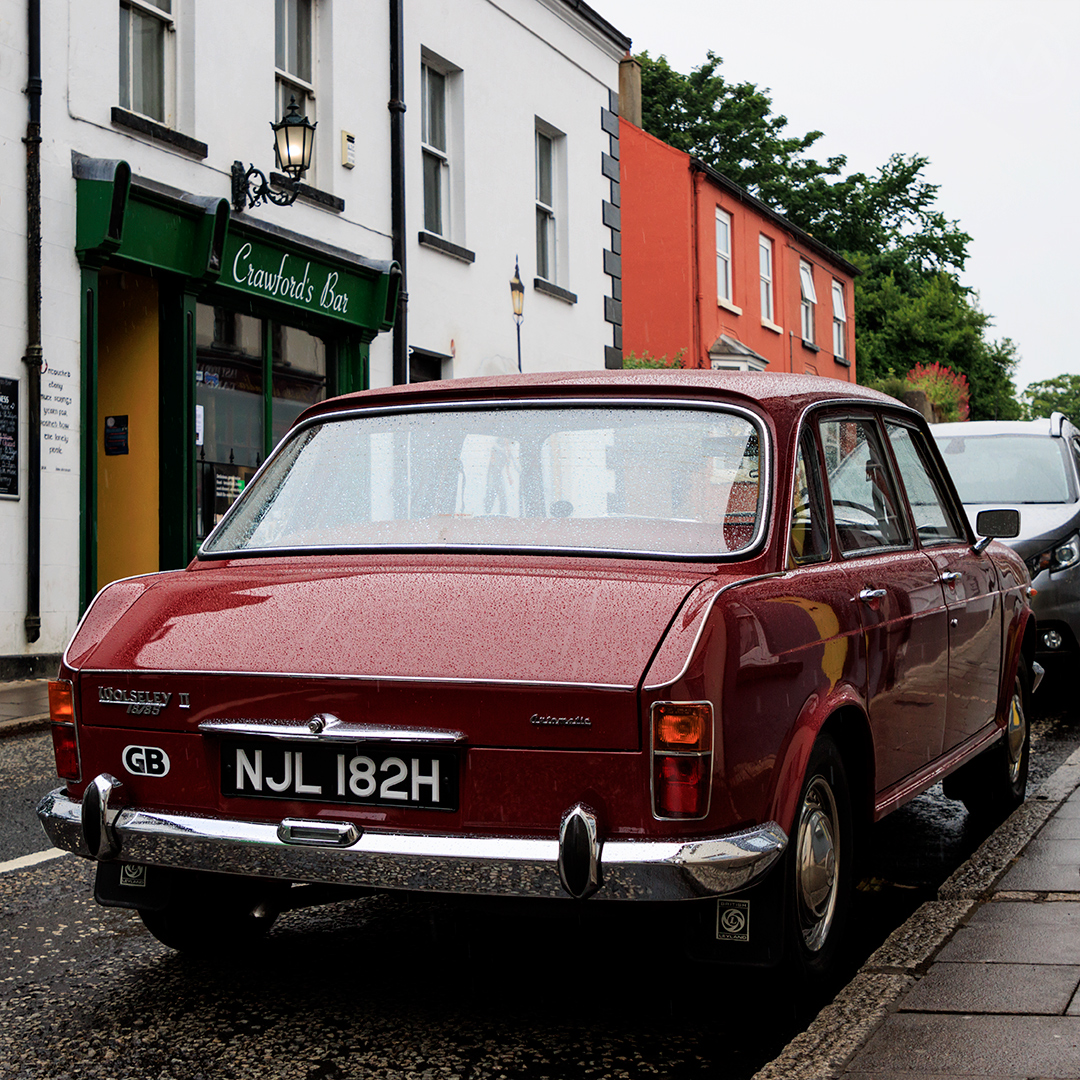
988	90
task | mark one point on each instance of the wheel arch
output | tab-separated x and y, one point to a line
846	723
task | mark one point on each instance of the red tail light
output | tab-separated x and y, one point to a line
682	733
65	743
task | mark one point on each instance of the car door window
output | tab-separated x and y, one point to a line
865	506
935	520
809	534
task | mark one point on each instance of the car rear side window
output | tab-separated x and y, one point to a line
865	506
935	521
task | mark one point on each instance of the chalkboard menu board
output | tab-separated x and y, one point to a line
9	438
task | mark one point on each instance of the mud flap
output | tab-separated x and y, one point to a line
744	928
131	885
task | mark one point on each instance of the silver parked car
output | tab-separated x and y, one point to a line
1033	466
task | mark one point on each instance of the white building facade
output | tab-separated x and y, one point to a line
180	334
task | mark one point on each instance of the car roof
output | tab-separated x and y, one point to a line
774	392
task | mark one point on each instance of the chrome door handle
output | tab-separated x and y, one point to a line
870	594
949	576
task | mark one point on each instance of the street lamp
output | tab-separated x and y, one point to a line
294	139
517	298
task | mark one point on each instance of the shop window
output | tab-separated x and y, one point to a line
148	58
293	65
246	370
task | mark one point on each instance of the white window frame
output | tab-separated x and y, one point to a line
808	305
765	272
433	153
547	231
839	309
552	215
292	84
450	159
168	59
724	276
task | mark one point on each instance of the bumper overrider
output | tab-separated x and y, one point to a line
579	863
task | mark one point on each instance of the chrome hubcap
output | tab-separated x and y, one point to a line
1016	733
816	857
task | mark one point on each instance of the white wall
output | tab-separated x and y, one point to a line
521	58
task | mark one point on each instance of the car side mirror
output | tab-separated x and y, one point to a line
996	524
993	524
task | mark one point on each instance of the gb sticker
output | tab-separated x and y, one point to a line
145	761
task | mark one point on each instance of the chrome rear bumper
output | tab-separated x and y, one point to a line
339	854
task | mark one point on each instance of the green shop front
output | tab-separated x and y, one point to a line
204	336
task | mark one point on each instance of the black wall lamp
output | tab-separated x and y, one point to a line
294	138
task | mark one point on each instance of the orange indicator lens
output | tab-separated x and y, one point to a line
682	725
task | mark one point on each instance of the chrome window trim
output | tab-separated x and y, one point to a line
501	404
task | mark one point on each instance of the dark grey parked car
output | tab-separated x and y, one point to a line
1033	466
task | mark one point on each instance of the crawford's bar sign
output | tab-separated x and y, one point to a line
266	271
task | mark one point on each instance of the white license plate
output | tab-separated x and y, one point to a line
361	774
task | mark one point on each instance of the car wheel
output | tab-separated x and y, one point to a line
995	783
821	863
228	917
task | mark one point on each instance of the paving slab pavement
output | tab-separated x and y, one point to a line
24	706
982	982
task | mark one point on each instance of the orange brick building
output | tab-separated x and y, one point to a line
711	271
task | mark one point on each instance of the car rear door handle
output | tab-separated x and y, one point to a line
949	576
869	595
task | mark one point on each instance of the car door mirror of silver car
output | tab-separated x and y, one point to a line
995	524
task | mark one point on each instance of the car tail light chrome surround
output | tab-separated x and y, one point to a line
64	737
682	743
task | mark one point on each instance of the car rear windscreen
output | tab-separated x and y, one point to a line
625	479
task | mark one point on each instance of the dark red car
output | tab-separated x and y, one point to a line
665	639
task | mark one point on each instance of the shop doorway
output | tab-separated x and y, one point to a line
126	427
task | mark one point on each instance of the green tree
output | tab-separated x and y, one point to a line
910	307
1059	394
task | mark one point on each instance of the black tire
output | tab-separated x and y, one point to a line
820	866
995	783
211	915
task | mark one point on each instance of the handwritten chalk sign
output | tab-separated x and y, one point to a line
9	438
